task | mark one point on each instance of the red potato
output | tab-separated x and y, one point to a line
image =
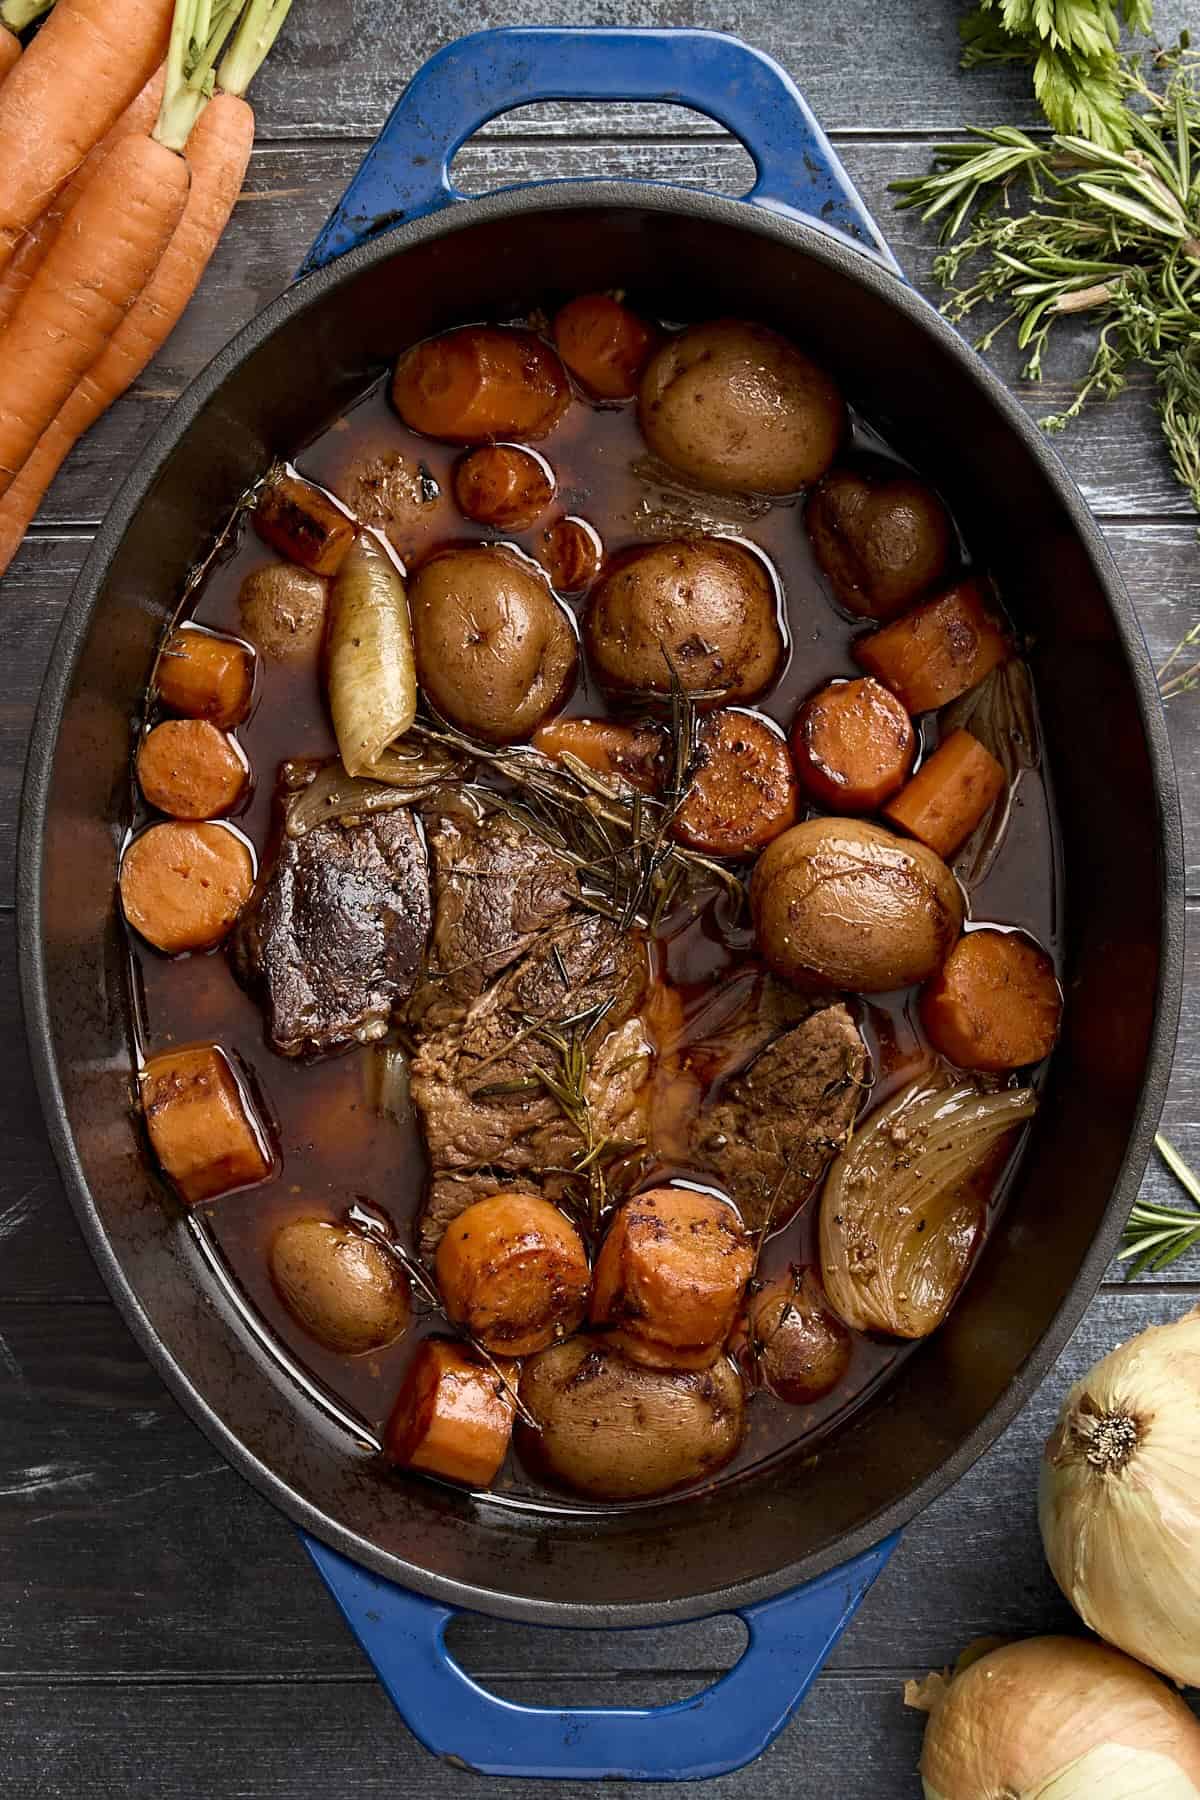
513	1273
949	794
743	789
183	885
853	743
670	1276
881	537
481	382
453	1415
205	676
995	1004
795	1343
191	769
938	651
202	1126
604	344
504	486
572	554
303	524
632	753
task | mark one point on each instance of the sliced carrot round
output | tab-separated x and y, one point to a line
743	790
183	886
670	1277
854	744
604	344
572	554
504	486
633	753
514	1273
191	769
995	1004
453	1415
205	676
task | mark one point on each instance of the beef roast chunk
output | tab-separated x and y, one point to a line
496	885
334	937
775	1127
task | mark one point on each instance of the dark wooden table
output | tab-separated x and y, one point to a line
161	1632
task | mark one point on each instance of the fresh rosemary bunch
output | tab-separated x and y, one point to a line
1054	228
1156	1235
1072	45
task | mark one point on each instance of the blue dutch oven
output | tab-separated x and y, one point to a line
792	1546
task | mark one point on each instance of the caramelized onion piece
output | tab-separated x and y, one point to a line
371	675
902	1209
398	780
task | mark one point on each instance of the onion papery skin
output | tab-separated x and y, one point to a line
1060	1719
1121	1519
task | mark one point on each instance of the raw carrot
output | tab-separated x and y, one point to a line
202	1126
91	277
996	1003
743	787
71	86
217	154
947	797
453	1416
205	676
191	769
513	1272
30	253
853	743
937	651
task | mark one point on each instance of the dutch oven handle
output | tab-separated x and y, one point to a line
404	176
710	1733
406	173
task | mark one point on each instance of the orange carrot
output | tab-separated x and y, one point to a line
217	154
10	50
71	86
86	286
30	253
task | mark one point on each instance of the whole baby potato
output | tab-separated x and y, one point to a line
480	383
342	1286
617	1431
882	538
283	610
795	1343
740	409
495	652
704	607
838	903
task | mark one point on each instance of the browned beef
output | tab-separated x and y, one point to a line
496	886
333	940
775	1127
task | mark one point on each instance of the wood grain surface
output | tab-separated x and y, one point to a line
161	1633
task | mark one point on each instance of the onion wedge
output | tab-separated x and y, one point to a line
371	675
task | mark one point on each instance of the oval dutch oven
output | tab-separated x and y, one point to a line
789	1548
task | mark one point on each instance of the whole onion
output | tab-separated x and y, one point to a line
1120	1498
1056	1719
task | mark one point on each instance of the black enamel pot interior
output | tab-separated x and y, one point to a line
279	382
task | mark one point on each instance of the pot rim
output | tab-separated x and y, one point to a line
809	240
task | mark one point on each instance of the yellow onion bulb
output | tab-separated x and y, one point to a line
1120	1498
1056	1719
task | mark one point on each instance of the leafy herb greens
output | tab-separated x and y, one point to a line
1053	228
1072	45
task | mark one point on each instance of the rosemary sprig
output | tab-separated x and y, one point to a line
1172	681
566	1081
1156	1235
1057	228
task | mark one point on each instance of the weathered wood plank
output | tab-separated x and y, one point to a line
108	1493
864	67
1115	453
289	1741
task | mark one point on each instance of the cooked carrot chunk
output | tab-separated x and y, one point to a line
183	885
191	769
303	524
205	676
853	743
604	344
947	797
996	1003
513	1271
201	1124
670	1277
453	1416
936	651
634	753
743	787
